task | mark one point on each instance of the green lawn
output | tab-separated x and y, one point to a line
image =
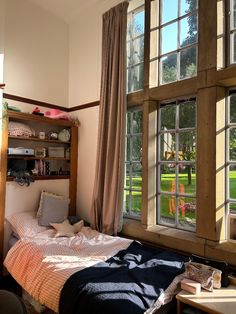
166	180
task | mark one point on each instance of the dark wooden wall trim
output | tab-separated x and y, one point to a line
48	105
2	85
32	101
84	106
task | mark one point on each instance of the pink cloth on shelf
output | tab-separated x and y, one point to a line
56	114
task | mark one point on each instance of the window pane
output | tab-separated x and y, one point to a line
187	114
137	176
234	13
136	147
167	209
188	62
133	166
127	176
232	182
127	202
168	178
233	43
136	202
232	208
128	122
188	30
127	157
135	47
135	78
138	23
137	122
169	38
129	27
187	179
232	144
233	109
232	226
168	68
167	146
136	51
187	6
187	213
129	58
187	146
169	10
168	116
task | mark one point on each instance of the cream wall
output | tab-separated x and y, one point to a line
85	33
36	48
36	53
2	28
48	60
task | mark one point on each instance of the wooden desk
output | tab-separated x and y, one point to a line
220	301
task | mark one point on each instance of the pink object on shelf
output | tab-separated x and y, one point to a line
56	114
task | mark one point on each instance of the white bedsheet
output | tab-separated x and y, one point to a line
42	264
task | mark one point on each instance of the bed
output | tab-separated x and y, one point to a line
61	272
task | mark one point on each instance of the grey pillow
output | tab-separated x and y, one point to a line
53	210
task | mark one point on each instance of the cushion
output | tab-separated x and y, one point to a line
46	193
207	276
65	229
20	129
25	224
53	210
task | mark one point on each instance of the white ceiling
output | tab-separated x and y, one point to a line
65	9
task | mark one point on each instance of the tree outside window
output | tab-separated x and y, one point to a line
135	48
133	164
177	165
231	166
174	36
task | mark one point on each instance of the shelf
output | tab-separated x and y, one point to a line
45	177
36	139
36	158
13	115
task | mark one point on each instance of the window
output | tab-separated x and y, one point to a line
173	43
232	31
231	166
133	164
176	187
135	46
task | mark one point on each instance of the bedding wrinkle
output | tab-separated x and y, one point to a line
41	264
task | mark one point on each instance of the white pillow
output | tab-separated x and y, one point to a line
53	208
25	224
50	194
65	229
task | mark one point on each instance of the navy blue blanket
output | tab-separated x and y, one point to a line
128	282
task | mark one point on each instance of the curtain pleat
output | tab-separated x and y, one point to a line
109	177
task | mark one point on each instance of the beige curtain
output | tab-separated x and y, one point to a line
109	178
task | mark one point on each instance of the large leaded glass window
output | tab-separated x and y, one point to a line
173	41
232	31
133	164
176	188
135	46
231	166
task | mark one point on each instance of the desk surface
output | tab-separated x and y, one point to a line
222	301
